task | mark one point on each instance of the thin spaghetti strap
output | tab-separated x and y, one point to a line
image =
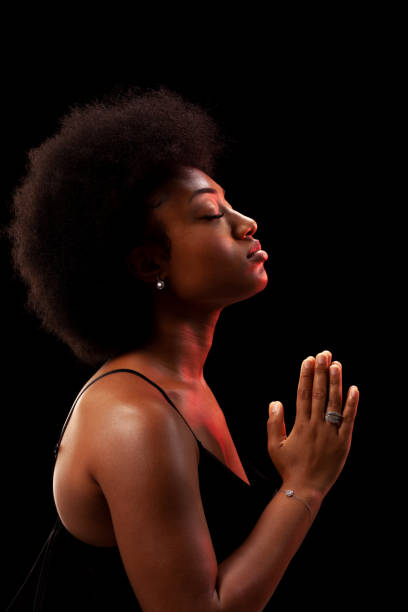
106	374
42	563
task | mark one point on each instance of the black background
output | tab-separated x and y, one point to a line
312	166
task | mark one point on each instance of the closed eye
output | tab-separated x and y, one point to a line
214	216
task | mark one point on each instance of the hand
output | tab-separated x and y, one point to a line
314	453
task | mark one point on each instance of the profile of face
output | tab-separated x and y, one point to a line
210	241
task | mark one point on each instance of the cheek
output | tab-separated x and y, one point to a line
205	254
202	265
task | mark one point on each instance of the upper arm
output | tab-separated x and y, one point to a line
146	464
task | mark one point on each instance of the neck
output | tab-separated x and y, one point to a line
181	341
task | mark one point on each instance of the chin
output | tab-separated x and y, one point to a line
249	292
261	284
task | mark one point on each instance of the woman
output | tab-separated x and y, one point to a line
130	251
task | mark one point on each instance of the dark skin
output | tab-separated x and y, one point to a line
127	468
204	252
207	271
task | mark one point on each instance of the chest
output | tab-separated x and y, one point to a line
203	414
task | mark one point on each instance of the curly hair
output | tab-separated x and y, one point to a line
81	208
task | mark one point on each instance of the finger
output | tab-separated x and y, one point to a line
276	424
335	388
349	414
304	391
320	387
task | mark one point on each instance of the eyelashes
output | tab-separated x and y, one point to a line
214	216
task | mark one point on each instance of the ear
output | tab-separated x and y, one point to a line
144	262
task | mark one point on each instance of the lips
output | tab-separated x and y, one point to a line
254	248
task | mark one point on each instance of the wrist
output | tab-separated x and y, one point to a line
311	496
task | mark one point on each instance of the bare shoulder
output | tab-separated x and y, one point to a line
144	458
125	408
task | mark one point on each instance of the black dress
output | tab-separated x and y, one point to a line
72	575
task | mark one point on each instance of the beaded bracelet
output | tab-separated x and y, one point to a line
291	493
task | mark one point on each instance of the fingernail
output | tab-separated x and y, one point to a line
307	363
353	392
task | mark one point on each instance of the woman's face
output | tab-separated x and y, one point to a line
208	264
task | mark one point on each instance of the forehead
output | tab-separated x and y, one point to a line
183	185
191	179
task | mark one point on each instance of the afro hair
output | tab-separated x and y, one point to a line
81	208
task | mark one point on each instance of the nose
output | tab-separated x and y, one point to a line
242	225
250	227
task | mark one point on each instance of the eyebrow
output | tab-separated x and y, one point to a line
204	190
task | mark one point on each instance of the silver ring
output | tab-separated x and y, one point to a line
334	417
